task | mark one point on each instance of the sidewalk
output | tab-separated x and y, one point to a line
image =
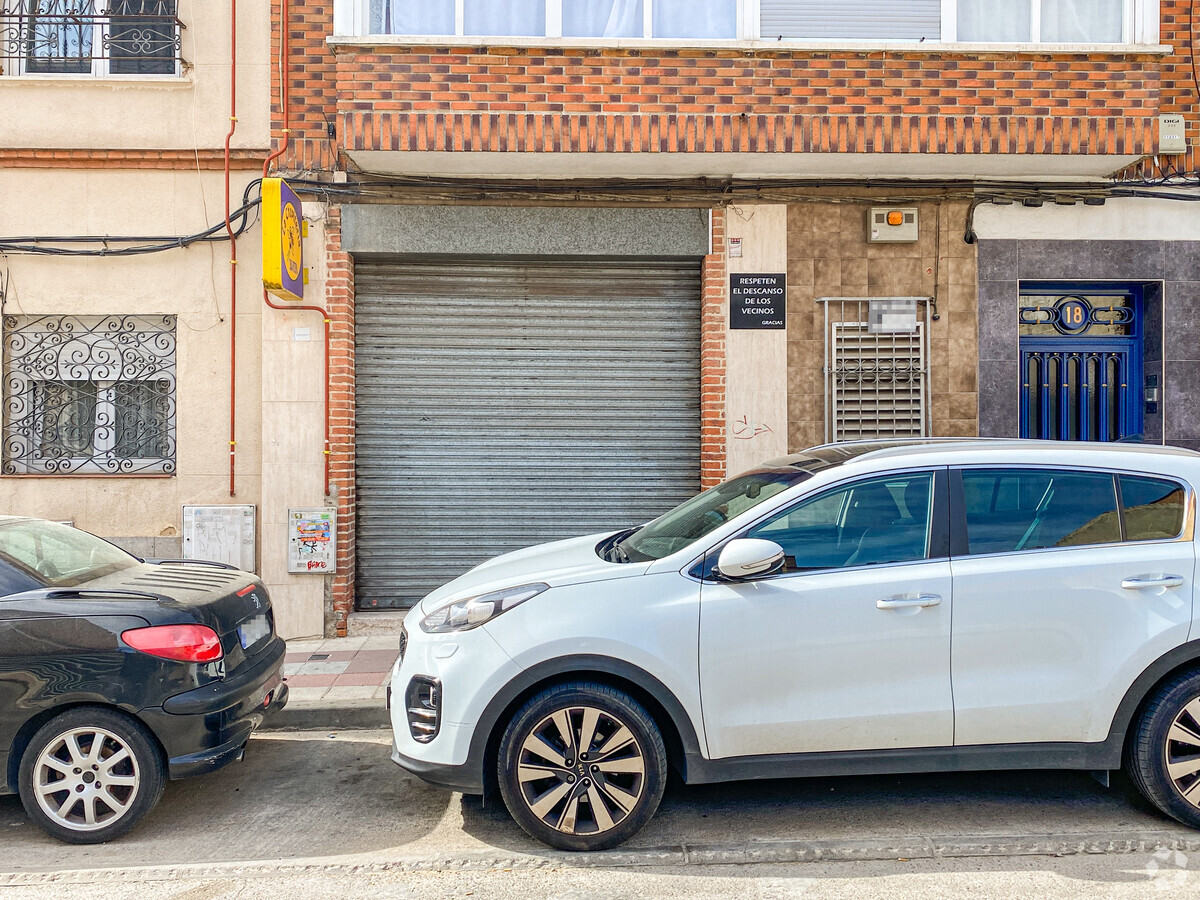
337	683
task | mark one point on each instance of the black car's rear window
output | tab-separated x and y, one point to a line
58	555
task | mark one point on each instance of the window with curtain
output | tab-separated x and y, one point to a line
1062	21
412	16
88	394
702	19
602	18
501	17
1082	21
986	21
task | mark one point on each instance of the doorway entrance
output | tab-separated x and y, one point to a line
1081	361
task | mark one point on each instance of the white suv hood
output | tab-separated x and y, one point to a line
562	562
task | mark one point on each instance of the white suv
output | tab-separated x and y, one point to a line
857	608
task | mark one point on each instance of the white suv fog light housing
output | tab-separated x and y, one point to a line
423	702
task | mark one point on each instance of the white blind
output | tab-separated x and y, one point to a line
909	20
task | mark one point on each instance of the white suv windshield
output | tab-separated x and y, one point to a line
58	555
695	518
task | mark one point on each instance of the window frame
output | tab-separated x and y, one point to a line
960	546
20	21
937	546
1140	26
23	453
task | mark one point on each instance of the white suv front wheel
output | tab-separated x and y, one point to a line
582	766
1163	755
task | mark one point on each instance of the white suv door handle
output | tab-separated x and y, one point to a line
1148	581
905	602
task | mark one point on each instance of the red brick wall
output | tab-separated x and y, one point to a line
712	358
729	101
1180	91
339	302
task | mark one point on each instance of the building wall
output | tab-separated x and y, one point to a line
144	156
145	115
192	284
829	256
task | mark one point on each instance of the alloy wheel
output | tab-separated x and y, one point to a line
581	770
86	779
1183	752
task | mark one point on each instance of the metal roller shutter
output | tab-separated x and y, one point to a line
502	403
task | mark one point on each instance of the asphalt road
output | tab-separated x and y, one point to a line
310	805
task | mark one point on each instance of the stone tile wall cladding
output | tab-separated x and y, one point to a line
1172	326
829	256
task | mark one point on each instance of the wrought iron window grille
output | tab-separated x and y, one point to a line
89	395
90	37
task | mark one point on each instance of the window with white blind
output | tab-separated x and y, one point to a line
925	21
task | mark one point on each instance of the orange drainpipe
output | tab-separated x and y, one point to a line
232	249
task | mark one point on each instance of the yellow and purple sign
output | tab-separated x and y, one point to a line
283	247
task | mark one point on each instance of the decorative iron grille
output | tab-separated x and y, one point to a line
85	37
89	395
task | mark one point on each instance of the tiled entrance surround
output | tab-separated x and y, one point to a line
828	256
1172	328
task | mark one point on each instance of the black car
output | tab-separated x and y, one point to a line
118	673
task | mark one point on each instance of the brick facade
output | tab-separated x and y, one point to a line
712	358
365	95
732	101
339	303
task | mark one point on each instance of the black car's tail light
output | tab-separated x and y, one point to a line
423	700
186	643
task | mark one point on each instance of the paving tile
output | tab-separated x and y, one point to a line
343	644
291	668
323	668
360	666
333	655
371	679
322	681
382	642
290	657
304	647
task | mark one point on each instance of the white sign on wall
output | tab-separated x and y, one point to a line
312	540
221	534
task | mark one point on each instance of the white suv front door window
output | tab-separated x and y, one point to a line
1060	599
849	647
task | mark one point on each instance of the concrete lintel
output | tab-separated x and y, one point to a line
524	231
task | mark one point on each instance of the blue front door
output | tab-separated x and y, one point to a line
1081	362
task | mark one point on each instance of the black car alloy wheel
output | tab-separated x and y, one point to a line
90	775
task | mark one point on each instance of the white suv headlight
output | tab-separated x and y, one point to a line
463	615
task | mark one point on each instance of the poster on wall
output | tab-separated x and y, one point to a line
312	540
758	302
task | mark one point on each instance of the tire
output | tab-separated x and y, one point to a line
573	802
1163	754
65	751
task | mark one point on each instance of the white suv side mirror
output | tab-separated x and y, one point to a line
748	558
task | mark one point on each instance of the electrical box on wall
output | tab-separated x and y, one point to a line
1171	134
312	540
892	225
220	534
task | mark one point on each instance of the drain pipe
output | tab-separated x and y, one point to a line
232	250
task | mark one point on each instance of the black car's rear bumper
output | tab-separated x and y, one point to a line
206	728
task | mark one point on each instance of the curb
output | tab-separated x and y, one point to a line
319	716
900	849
